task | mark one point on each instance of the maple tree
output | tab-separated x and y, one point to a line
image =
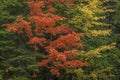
60	43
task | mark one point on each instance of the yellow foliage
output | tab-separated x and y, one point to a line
101	73
96	52
96	33
90	18
94	75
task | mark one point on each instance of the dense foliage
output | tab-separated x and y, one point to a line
59	40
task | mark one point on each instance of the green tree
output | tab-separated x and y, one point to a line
16	60
10	9
90	17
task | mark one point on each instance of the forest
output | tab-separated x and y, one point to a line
59	39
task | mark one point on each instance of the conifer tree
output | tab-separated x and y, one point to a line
114	19
17	62
42	33
89	17
10	9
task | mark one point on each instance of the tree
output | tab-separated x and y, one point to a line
10	9
44	34
17	61
89	17
115	20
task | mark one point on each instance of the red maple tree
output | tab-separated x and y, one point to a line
61	45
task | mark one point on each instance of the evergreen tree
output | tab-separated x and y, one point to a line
17	62
89	17
10	9
42	33
20	50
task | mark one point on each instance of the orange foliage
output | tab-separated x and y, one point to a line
61	42
67	41
20	26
